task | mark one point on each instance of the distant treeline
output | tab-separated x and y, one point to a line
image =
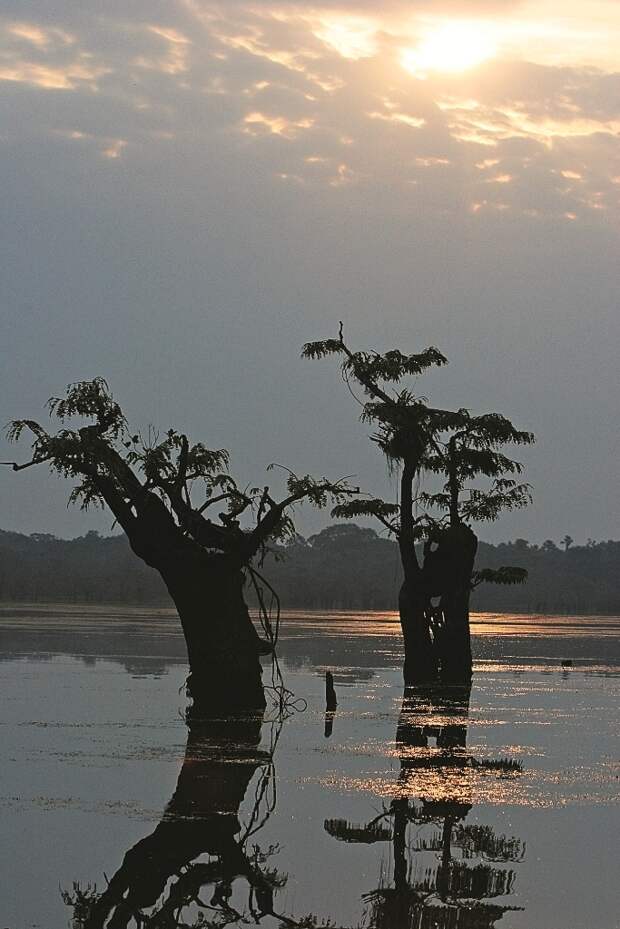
342	567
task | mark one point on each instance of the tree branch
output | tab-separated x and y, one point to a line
119	507
20	467
266	526
212	500
370	385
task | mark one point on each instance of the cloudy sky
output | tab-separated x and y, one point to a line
191	190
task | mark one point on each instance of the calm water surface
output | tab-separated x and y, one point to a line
443	811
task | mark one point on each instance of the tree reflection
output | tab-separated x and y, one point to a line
191	865
446	874
200	867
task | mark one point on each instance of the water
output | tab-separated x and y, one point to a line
434	813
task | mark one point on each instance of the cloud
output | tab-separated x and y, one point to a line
187	183
321	94
174	59
38	36
64	77
255	123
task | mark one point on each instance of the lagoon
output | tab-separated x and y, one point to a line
439	811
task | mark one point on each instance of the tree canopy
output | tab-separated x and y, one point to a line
421	440
164	475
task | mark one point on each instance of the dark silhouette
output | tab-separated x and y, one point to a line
331	704
160	877
470	449
331	701
201	856
416	438
462	867
148	485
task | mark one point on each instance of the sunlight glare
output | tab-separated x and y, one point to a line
453	47
351	36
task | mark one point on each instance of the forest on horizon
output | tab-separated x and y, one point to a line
345	566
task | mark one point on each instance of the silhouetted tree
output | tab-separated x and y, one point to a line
150	485
467	451
434	596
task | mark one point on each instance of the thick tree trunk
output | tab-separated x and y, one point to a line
420	666
223	647
454	645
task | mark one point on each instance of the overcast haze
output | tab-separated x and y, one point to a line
191	190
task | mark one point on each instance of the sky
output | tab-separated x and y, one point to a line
192	190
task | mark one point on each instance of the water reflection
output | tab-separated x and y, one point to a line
446	874
148	642
201	867
199	857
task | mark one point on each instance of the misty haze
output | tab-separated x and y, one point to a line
309	533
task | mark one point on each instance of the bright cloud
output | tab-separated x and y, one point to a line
317	81
452	46
185	176
46	77
351	36
257	123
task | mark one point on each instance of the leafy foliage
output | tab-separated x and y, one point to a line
405	428
322	349
385	512
318	492
505	575
421	440
482	505
488	504
411	433
470	450
110	466
93	400
391	366
405	423
173	460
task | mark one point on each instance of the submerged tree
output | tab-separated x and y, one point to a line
469	450
437	551
151	486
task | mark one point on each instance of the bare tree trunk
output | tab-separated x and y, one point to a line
413	604
460	545
223	647
420	660
455	649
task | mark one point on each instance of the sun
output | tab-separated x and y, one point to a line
454	46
